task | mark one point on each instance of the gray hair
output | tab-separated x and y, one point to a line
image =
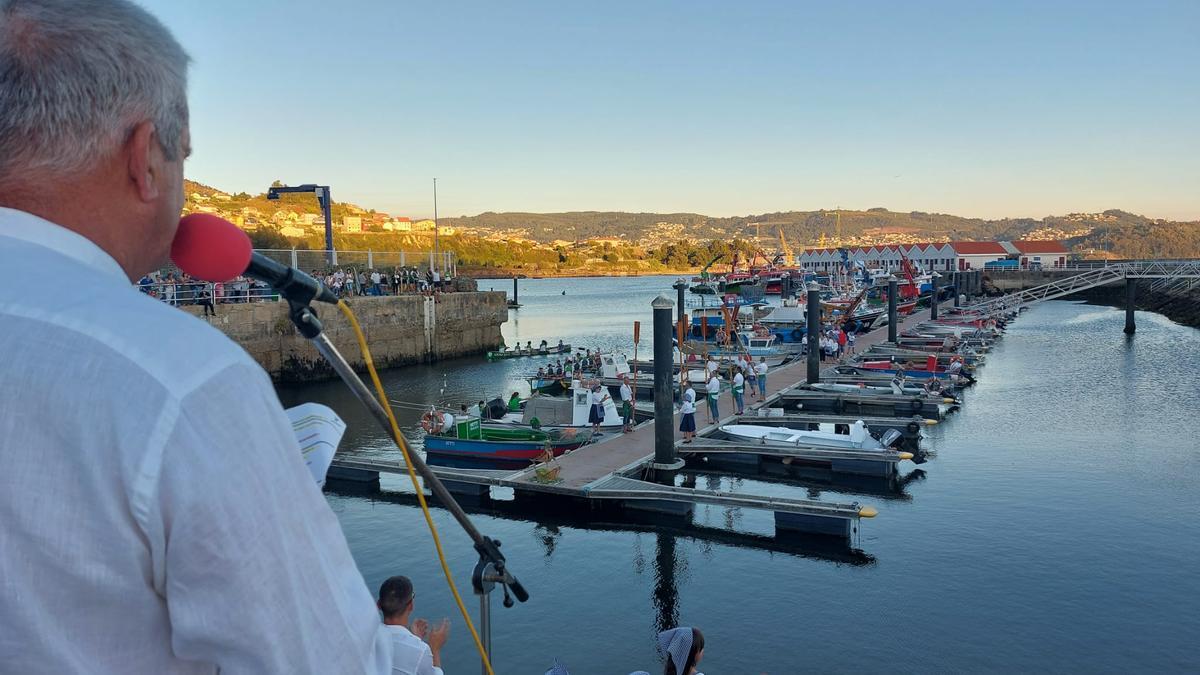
76	76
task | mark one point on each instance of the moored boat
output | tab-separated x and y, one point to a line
469	439
859	437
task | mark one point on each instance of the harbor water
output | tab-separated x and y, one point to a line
1057	527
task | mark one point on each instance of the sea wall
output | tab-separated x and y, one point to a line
1180	306
1005	282
401	330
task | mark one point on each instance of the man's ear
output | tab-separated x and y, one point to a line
143	158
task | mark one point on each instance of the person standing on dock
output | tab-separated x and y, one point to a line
626	404
687	411
738	390
747	368
596	414
713	392
841	342
156	512
417	651
760	370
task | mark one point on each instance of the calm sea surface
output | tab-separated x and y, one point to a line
1057	528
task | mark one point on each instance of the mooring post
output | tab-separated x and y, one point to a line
1130	300
893	330
813	330
933	304
680	286
957	290
664	409
514	291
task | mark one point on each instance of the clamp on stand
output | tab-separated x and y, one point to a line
484	578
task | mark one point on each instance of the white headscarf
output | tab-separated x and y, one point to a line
690	394
676	645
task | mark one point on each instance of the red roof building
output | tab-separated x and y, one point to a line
1041	254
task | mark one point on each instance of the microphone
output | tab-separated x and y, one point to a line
213	249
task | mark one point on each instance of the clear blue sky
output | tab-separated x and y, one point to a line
988	109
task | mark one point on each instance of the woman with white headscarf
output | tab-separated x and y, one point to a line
683	648
687	423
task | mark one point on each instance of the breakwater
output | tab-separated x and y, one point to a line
401	330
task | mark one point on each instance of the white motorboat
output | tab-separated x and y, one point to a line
894	389
859	437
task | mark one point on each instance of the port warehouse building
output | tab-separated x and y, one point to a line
945	256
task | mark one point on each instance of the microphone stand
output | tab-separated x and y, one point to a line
491	568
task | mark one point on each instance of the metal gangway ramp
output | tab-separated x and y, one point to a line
1166	273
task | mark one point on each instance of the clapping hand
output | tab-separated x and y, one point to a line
420	628
438	636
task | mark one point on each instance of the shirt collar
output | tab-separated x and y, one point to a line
38	231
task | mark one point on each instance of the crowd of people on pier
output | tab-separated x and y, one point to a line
835	342
178	288
346	282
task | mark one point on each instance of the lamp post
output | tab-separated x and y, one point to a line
436	227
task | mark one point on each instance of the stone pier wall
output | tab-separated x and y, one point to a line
400	330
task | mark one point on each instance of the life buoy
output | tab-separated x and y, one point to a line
433	422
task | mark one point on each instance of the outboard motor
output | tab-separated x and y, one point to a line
891	437
495	409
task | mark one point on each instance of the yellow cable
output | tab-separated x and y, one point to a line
412	475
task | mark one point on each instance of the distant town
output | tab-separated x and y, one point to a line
642	243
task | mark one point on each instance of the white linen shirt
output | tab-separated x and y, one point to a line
626	392
156	515
410	654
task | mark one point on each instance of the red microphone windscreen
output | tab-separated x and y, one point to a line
210	248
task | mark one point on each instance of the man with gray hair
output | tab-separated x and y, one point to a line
156	515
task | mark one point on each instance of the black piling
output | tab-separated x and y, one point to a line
514	300
957	289
933	301
1130	300
813	333
664	414
679	286
893	329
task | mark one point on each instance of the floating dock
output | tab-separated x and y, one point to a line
618	469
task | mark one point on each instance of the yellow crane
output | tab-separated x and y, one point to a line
788	257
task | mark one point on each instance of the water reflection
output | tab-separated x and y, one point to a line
554	520
817	481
